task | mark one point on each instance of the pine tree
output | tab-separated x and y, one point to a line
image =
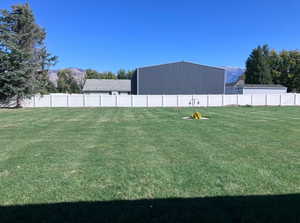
258	69
22	54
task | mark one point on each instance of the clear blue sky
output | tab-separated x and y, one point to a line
113	34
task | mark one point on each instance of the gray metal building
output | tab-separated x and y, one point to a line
181	78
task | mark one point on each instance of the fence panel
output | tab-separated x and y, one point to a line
215	100
259	100
124	101
244	100
76	100
155	100
287	99
59	101
92	100
273	99
108	100
297	100
140	101
42	101
200	100
185	101
230	100
170	101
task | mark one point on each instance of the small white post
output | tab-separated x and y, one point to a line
280	100
147	101
68	104
132	102
223	100
237	100
162	101
252	99
100	100
51	101
266	99
83	100
177	99
295	99
207	104
116	100
34	103
193	101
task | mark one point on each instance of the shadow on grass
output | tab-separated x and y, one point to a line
281	208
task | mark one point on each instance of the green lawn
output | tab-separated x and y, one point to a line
104	154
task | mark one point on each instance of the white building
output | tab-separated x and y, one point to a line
241	88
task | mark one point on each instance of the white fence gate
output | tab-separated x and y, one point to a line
97	100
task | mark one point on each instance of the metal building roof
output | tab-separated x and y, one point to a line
107	85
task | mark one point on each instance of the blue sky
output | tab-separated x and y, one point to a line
113	34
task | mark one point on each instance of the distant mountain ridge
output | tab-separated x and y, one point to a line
233	74
77	73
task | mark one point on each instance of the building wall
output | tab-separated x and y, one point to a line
179	78
264	91
233	90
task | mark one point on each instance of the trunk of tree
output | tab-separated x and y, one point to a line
18	102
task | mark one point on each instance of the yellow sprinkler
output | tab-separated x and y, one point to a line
197	116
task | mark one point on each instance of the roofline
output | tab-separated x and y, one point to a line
109	79
182	62
261	87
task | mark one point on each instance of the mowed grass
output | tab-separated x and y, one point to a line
105	154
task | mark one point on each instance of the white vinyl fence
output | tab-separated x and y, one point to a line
96	100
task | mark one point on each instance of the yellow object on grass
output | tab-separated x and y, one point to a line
197	115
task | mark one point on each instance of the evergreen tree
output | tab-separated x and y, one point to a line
66	83
121	74
130	74
21	50
258	69
92	74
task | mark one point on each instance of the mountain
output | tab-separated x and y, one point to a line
77	73
233	74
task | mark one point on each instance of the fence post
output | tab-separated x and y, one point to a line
207	104
147	101
100	100
223	100
34	103
116	100
251	99
193	101
177	100
266	99
295	99
162	101
51	101
83	100
132	102
68	104
280	100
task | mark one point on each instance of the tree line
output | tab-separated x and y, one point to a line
121	74
265	66
66	83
